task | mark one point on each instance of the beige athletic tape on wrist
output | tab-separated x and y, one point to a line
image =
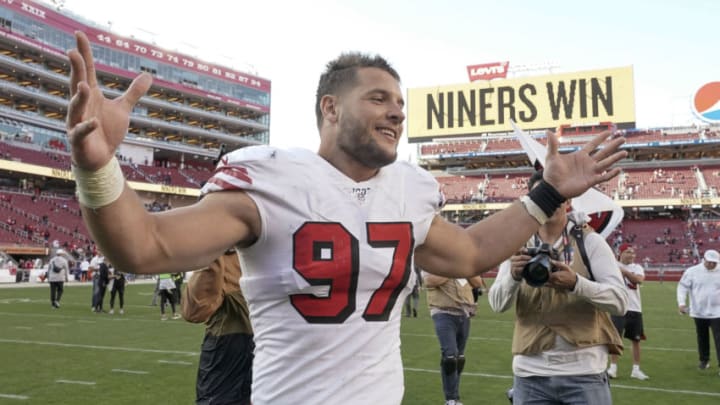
534	210
101	187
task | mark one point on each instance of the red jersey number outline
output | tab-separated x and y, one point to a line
340	268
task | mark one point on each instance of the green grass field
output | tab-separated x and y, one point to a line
73	356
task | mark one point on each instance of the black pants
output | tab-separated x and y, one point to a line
702	329
119	289
56	290
178	291
99	288
225	370
167	296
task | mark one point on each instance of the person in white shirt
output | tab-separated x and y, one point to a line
58	270
563	332
630	325
701	283
84	267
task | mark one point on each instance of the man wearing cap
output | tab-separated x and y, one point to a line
702	283
631	324
58	270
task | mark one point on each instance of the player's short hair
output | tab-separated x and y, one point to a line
341	73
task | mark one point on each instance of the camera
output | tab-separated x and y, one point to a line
537	270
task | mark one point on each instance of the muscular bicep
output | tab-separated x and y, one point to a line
191	237
448	251
452	251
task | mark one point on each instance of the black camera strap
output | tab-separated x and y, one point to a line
577	232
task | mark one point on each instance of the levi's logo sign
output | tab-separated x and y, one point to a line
488	71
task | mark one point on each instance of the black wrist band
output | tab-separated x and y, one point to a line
546	197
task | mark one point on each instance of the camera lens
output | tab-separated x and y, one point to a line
537	271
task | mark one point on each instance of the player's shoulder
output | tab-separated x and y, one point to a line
411	169
417	181
251	154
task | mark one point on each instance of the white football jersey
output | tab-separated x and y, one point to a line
327	277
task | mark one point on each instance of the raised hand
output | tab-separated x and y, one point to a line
573	173
96	125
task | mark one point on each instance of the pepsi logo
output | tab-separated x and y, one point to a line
706	102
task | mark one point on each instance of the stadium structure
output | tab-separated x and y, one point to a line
668	187
194	111
197	110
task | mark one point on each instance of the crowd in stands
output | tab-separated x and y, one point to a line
510	142
632	183
162	172
677	240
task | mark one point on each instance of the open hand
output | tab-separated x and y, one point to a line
96	125
574	173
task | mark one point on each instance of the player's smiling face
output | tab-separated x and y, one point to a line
371	118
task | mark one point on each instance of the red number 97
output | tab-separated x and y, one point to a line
326	254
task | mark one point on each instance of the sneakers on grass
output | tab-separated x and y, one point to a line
612	371
638	374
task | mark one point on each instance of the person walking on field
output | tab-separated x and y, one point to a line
118	288
451	304
167	294
701	284
58	270
413	299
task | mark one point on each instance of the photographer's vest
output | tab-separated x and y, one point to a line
542	313
450	295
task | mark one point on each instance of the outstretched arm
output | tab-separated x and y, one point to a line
134	240
452	251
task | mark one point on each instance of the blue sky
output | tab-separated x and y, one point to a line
669	43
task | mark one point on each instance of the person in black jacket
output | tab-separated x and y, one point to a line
118	288
101	278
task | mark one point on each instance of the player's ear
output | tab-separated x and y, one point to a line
328	107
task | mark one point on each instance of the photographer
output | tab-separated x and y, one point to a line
563	333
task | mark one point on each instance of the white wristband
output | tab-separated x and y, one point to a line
101	187
534	210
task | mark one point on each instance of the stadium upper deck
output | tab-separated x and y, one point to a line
194	111
192	108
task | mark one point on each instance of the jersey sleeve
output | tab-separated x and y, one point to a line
243	169
423	199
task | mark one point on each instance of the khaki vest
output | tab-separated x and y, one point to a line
213	296
450	295
543	313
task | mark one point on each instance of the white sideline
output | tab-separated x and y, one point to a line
79	346
11	396
183	363
121	370
75	382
